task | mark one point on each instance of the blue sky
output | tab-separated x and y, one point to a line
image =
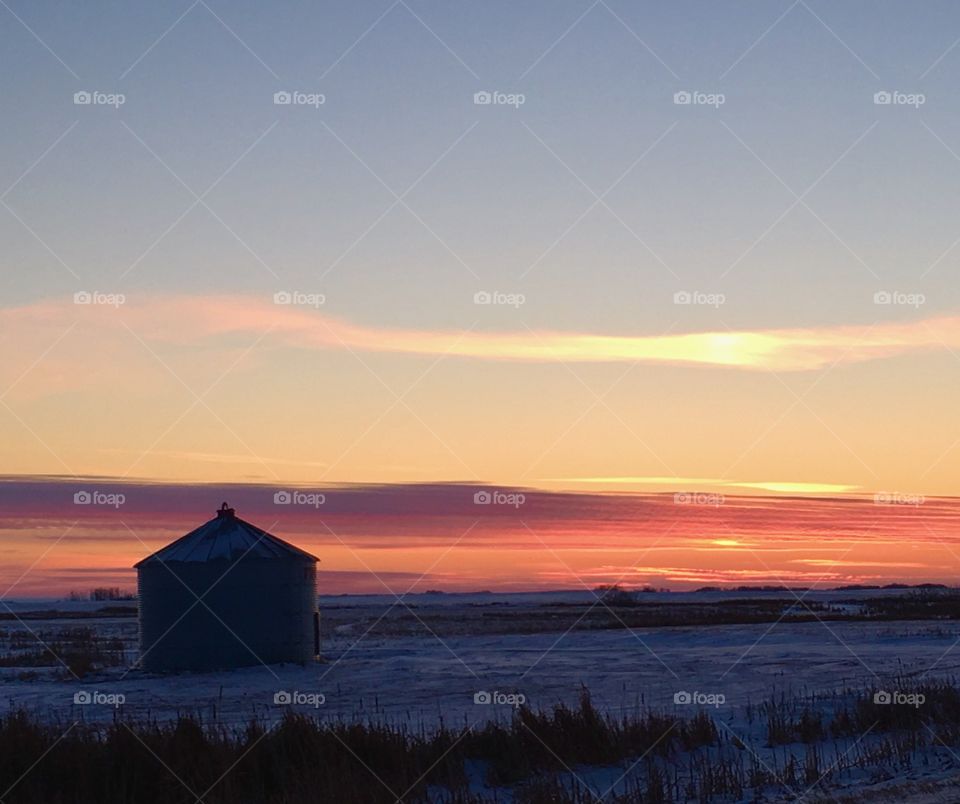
798	96
793	203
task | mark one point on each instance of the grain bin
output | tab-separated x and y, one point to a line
227	594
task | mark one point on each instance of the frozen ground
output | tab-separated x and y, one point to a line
423	679
427	668
426	664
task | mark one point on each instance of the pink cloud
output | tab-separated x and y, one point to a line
105	343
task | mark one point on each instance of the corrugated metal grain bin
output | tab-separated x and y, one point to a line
257	600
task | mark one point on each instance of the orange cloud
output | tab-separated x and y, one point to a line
777	486
198	320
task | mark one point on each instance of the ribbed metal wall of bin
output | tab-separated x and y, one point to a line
258	600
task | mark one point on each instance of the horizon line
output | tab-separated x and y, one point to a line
773	489
710	588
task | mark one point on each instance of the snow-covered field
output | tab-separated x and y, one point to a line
427	663
373	667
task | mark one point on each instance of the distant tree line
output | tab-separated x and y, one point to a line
101	593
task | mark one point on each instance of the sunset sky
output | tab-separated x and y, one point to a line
595	290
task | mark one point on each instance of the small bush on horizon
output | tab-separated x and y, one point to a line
615	595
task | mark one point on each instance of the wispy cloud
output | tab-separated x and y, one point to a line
680	483
829	562
219	457
401	529
210	320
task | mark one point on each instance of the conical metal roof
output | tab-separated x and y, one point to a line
226	536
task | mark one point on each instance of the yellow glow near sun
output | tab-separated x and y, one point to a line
776	486
799	488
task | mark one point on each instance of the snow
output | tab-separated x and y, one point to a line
227	537
434	673
430	669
